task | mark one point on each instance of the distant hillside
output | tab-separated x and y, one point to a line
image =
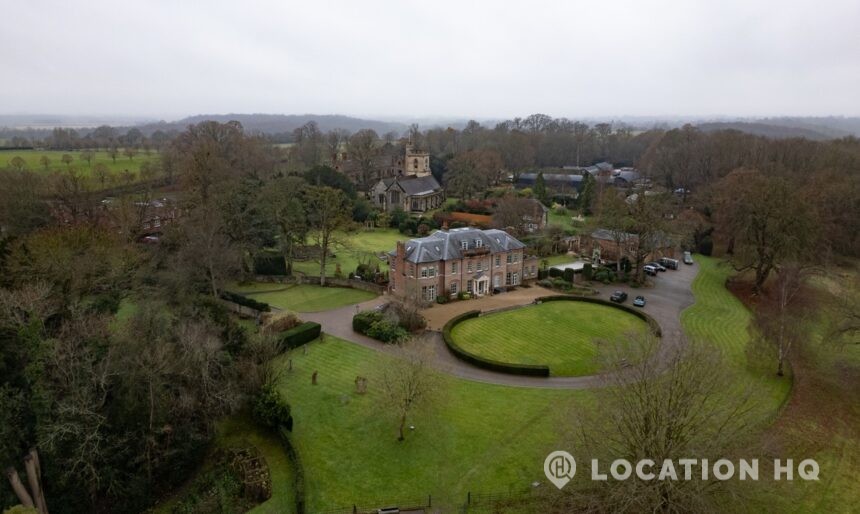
281	123
766	130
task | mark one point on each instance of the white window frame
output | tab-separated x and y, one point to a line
469	267
425	272
454	287
454	266
498	261
479	243
464	245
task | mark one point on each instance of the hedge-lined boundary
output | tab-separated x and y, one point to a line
244	301
534	370
299	475
300	335
652	323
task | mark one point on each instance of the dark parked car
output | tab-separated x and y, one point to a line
639	301
618	296
688	258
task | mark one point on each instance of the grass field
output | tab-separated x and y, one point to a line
479	437
32	157
563	335
356	247
486	438
562	220
719	318
302	297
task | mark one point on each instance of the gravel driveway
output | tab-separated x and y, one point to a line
666	298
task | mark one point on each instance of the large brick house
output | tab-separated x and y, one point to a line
447	262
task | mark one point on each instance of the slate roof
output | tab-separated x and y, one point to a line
661	239
448	245
414	186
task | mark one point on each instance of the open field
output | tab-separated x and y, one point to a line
563	335
302	297
354	248
122	163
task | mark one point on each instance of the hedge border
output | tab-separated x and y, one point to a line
300	335
534	370
299	475
244	301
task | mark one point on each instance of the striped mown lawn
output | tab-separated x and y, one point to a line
303	297
562	335
720	319
476	437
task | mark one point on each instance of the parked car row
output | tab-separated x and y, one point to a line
621	296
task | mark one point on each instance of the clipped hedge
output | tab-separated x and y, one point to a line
535	370
244	301
298	470
652	323
302	334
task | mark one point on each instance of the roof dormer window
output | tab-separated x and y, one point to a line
464	245
479	243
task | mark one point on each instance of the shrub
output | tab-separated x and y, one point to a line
555	272
387	331
568	274
442	299
605	275
407	314
300	335
280	322
270	410
588	271
361	322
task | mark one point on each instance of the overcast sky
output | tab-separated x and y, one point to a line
489	59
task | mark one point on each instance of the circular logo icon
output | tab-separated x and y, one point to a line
559	467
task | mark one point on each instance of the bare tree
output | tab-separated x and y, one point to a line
768	220
684	403
328	210
408	383
781	316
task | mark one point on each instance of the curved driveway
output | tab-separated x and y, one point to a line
669	296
